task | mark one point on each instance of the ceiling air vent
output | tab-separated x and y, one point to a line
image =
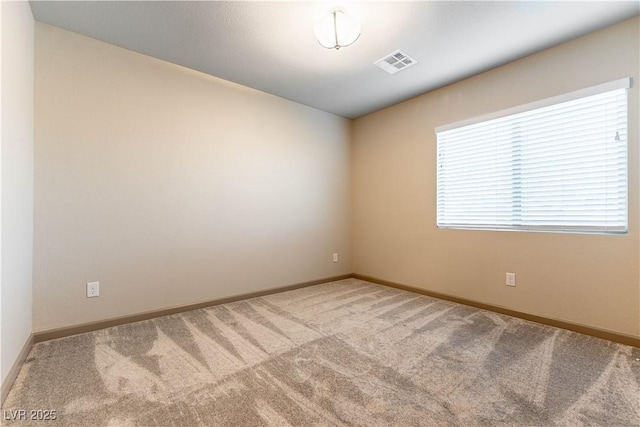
394	62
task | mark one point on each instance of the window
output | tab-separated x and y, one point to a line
555	165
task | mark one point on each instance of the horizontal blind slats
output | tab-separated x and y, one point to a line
562	167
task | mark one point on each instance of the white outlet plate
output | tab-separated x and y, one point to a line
510	279
335	257
93	289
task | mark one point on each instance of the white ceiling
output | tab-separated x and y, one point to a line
270	46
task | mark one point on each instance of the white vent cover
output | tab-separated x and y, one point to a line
394	62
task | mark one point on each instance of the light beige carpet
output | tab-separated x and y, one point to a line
342	353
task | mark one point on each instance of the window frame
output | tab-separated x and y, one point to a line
623	83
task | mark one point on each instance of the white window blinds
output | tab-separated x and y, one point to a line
559	167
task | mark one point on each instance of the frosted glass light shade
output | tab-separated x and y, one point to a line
337	30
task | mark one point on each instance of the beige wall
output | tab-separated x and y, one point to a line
587	279
16	155
173	187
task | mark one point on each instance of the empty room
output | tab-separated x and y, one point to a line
310	213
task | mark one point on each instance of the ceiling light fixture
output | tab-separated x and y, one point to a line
337	30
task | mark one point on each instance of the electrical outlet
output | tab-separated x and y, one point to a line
335	257
93	289
511	279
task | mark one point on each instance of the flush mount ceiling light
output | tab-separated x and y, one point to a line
337	30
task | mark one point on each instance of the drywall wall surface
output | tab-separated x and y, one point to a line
17	180
171	187
591	280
